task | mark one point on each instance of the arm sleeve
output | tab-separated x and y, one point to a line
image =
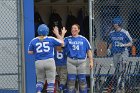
31	47
56	42
88	46
65	42
129	38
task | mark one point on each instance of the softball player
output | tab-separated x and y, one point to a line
119	41
61	68
60	62
77	48
43	49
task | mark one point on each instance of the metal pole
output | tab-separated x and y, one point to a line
19	48
20	34
22	47
91	20
91	29
91	80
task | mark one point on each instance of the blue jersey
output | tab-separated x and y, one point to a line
60	58
43	49
77	47
117	37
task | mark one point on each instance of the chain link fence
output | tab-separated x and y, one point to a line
109	79
9	47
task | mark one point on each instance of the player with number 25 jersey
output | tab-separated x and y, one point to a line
43	49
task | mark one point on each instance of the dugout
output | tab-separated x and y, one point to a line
96	28
17	29
62	13
100	12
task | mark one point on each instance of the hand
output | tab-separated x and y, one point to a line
63	30
108	52
90	65
55	30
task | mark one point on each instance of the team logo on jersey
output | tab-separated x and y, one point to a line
76	42
117	38
69	40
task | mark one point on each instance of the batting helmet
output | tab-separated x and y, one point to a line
43	30
117	20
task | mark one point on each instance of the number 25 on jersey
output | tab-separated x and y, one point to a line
42	47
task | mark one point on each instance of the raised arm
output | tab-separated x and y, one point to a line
58	36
